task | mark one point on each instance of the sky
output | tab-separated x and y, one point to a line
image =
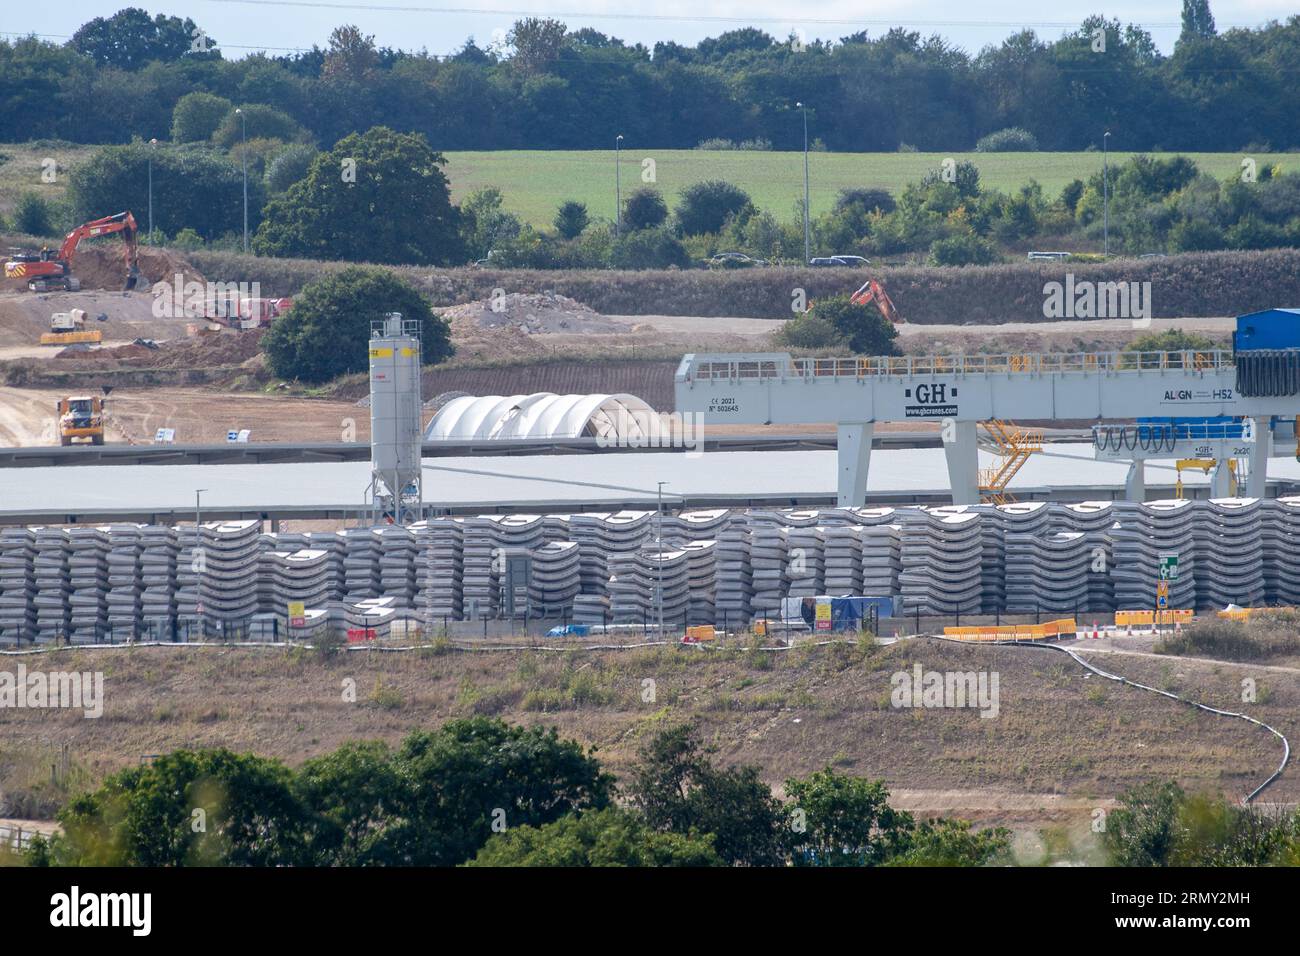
441	26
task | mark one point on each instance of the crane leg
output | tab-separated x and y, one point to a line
1257	486
853	443
1135	485
963	463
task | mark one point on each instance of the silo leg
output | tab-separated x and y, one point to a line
853	442
963	463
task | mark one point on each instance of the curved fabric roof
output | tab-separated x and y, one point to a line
545	415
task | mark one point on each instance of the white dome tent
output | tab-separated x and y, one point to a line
617	418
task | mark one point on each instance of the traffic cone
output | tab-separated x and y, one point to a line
1095	633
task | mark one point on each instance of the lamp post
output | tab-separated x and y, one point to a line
243	123
153	145
200	560
659	542
618	187
807	246
1105	193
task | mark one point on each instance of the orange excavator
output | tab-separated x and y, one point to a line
873	292
48	271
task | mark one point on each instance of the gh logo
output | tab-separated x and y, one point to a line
931	394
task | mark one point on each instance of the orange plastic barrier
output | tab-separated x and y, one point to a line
1014	632
1147	618
1241	613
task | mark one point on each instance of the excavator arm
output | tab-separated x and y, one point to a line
122	222
872	292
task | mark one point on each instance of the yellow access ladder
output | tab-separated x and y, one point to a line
1013	446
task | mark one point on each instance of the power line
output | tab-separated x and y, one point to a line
688	18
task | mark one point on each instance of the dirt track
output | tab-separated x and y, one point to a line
199	417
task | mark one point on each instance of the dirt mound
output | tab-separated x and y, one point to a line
535	313
206	350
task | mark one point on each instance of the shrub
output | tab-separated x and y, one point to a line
963	250
716	143
868	199
570	219
648	249
187	240
1013	139
33	215
644	209
326	332
1259	637
861	327
261	122
705	207
289	165
196	116
609	837
812	330
1195	235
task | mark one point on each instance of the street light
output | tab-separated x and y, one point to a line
659	542
807	250
618	187
153	145
243	121
1105	193
200	559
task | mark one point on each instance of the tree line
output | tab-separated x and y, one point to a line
383	196
548	87
481	792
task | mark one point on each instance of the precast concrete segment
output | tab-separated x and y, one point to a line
719	566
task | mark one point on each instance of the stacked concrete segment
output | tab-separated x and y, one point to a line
725	566
17	580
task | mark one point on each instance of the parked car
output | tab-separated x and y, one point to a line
1048	256
839	260
733	260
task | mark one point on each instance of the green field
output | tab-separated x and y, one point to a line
535	182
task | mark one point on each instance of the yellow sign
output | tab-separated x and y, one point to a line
381	353
1162	589
297	614
823	616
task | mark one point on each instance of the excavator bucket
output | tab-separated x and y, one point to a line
132	279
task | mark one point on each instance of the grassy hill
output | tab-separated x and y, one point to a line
1062	742
535	182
